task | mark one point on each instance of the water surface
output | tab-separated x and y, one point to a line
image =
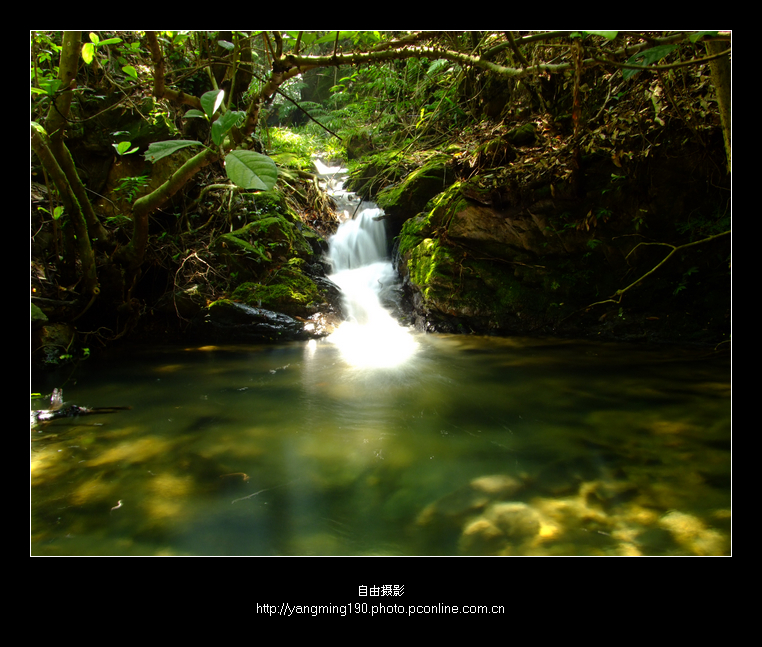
473	446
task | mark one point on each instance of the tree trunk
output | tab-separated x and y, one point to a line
73	212
721	77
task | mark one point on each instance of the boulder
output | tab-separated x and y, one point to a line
230	322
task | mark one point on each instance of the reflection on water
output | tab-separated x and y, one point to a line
474	447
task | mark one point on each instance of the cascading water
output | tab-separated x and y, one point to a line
370	336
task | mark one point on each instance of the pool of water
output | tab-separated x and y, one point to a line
473	446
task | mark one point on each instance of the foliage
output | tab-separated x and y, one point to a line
131	186
251	170
229	92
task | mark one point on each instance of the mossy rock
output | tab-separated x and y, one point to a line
249	252
411	196
482	296
226	321
288	291
377	171
269	203
426	224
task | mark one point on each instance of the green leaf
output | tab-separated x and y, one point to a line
88	51
251	170
194	113
610	35
158	150
226	44
123	148
210	102
648	57
109	41
94	38
225	123
129	70
700	34
50	86
39	128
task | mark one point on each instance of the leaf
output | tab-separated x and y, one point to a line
50	86
226	44
158	150
610	35
88	51
194	113
129	70
123	148
210	102
225	123
251	170
648	57
700	34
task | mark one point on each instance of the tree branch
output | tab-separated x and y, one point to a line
143	207
675	249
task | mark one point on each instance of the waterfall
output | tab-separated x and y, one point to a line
370	336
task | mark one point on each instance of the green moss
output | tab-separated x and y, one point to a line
376	171
288	291
277	234
412	194
438	214
434	270
237	244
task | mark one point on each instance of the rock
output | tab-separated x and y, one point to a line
409	197
691	533
230	322
481	537
516	520
522	135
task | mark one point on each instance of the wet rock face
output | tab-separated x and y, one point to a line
478	263
230	322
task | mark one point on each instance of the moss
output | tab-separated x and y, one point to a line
439	211
252	249
271	203
288	291
411	196
376	171
279	235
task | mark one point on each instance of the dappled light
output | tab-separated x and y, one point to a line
525	447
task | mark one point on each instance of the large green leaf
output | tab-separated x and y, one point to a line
648	57
251	170
158	150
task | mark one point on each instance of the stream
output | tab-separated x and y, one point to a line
381	441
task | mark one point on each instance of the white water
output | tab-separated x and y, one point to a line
370	337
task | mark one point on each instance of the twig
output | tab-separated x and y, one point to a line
675	249
265	490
